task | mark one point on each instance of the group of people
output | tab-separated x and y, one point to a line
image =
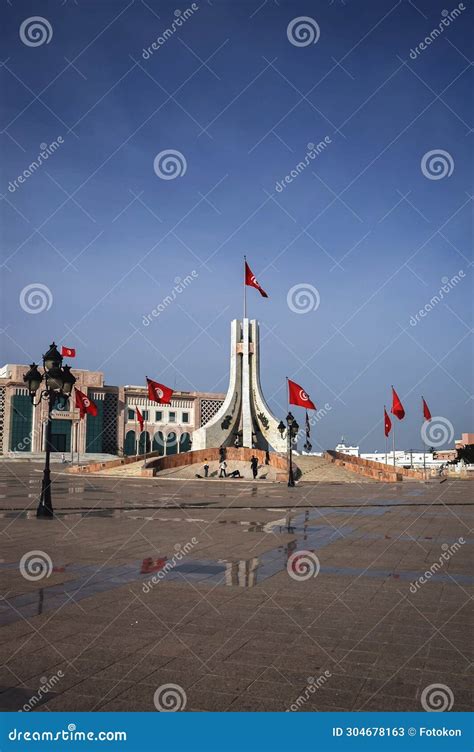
223	473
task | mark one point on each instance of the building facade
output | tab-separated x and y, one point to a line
114	430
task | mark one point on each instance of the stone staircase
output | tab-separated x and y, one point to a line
320	469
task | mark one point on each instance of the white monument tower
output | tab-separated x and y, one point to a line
244	416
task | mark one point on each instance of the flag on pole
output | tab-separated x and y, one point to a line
158	392
426	410
298	396
387	422
85	404
307	445
140	419
68	352
397	407
250	281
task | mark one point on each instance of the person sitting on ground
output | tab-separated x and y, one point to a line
235	474
222	469
206	469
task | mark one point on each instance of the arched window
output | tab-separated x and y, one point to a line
129	446
185	442
159	442
144	436
171	443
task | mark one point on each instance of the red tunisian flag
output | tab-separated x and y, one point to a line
426	410
298	396
85	404
397	407
250	281
140	419
387	422
159	392
68	352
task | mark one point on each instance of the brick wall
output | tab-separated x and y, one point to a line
373	469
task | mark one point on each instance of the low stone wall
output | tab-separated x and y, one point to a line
200	455
372	469
95	467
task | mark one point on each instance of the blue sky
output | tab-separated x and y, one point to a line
362	223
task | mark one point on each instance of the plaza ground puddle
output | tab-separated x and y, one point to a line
86	580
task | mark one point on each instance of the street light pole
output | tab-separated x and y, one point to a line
292	428
58	381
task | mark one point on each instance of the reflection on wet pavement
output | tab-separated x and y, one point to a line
92	580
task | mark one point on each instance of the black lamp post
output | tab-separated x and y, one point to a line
58	383
291	429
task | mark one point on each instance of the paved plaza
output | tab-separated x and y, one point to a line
143	583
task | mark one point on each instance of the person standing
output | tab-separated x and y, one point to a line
206	469
222	469
254	466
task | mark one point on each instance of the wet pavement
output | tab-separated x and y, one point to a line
237	594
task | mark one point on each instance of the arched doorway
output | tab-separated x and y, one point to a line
159	443
144	436
129	446
185	442
171	443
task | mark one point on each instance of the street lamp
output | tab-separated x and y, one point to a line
58	383
291	429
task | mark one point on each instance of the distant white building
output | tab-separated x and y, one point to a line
403	458
341	447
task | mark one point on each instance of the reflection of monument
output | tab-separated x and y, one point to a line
242	573
244	418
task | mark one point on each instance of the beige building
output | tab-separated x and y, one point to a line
114	430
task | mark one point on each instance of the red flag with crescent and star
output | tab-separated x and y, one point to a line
250	281
298	396
387	422
68	352
85	404
140	419
397	407
158	392
426	410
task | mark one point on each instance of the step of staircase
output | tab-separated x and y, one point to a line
320	469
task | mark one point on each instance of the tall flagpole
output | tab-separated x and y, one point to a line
245	288
385	432
393	438
136	440
424	445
